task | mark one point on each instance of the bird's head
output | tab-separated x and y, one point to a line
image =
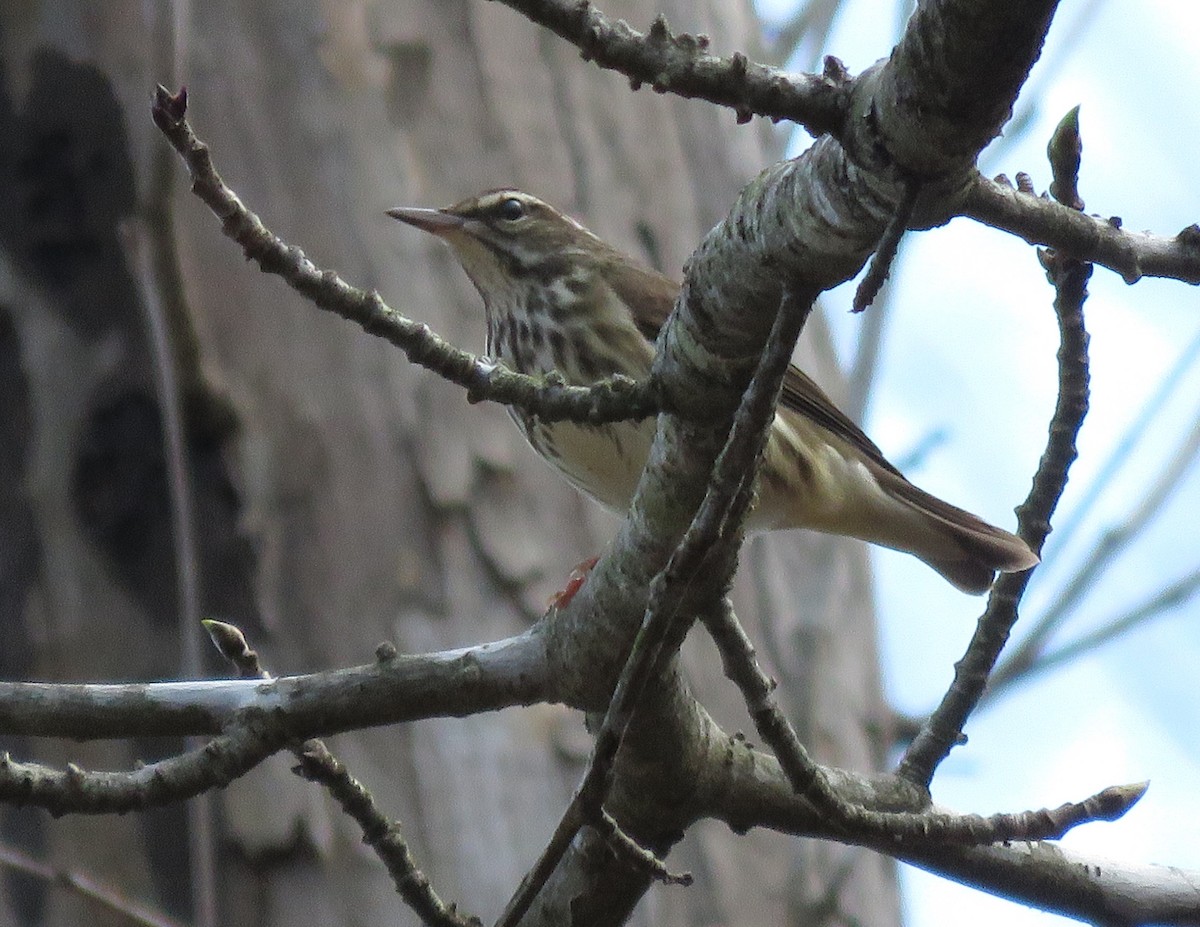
509	242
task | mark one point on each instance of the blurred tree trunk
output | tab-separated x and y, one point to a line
343	496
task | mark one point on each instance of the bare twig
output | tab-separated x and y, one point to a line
317	764
885	253
943	730
1111	543
864	824
77	791
84	885
636	853
1133	255
1164	600
615	399
1122	451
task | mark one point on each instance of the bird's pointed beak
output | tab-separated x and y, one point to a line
430	220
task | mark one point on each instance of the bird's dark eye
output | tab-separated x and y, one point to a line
511	209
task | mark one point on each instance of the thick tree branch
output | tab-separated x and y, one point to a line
718	521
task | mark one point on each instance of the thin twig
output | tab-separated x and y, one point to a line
318	764
885	252
810	781
1122	451
1110	544
615	399
943	729
1167	599
84	885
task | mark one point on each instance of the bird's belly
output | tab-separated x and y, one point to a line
605	461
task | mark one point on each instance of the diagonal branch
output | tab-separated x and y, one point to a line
86	887
317	764
1107	547
681	64
1166	599
615	399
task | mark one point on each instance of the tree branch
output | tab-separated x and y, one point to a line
78	791
1047	876
317	764
1133	255
87	887
680	64
453	683
718	521
615	399
943	730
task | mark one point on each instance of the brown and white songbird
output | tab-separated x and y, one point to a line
559	298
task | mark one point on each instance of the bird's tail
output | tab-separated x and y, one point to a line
965	549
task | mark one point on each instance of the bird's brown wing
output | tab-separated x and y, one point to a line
652	296
649	294
803	397
983	548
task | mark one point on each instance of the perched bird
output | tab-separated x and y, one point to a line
559	298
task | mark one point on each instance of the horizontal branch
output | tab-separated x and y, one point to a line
453	683
681	64
77	791
1039	221
755	792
